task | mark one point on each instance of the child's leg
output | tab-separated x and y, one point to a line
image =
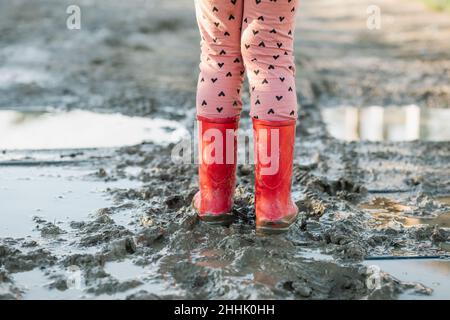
221	67
267	49
218	106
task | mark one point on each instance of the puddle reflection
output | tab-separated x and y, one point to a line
388	123
82	129
387	211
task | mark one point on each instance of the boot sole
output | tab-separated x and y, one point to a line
223	219
217	220
272	228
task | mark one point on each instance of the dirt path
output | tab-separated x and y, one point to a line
144	62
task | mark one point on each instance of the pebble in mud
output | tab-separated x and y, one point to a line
101	173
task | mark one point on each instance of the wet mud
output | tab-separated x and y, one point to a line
119	222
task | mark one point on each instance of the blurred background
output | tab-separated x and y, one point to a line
141	57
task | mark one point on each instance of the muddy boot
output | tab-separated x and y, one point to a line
274	152
217	169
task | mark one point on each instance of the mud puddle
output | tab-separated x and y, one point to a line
34	286
57	195
79	129
375	123
433	274
387	212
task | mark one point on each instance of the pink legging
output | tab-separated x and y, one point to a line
255	36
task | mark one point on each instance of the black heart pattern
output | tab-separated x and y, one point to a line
222	13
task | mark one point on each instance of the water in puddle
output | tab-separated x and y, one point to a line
152	278
388	123
387	211
433	273
56	194
82	129
125	270
34	285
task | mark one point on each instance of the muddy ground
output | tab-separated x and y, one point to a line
140	58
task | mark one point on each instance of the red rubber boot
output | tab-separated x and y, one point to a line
217	169
274	152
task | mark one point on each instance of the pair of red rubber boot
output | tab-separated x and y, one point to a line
274	152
